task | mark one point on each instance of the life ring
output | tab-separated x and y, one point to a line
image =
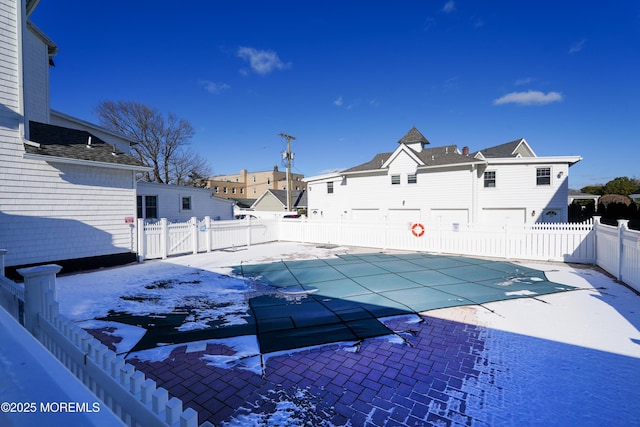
417	229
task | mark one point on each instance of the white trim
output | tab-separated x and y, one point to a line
570	160
90	125
523	141
394	155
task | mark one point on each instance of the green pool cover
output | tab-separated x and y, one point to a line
341	299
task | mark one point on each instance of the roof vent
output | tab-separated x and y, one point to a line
89	142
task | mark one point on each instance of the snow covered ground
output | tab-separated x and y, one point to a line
573	356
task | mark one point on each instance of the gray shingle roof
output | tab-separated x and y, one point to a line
61	142
298	197
437	156
413	136
500	151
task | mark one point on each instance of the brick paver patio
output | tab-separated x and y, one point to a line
414	381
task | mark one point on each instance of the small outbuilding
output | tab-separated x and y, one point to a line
179	203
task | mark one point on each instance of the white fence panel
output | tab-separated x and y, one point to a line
630	258
608	248
11	297
164	239
180	238
133	398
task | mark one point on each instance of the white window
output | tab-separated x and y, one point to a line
412	178
395	179
490	179
330	187
543	176
186	203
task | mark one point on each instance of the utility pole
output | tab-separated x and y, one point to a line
288	156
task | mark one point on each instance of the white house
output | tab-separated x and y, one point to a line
417	183
180	203
67	188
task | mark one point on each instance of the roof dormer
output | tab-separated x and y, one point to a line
414	140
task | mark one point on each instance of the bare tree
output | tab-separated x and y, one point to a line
190	168
161	143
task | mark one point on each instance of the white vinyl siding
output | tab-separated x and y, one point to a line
543	176
171	202
59	211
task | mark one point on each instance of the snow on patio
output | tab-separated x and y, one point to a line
555	360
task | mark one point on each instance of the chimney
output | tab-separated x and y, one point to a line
465	151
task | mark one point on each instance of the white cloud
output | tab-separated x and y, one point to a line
524	81
449	7
531	97
213	87
577	47
262	61
338	102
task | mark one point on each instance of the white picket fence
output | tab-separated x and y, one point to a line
135	399
163	239
615	249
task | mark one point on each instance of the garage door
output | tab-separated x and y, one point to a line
365	215
446	217
504	216
404	215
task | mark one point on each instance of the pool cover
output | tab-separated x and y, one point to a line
341	299
313	302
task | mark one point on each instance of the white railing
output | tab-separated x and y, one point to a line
558	242
135	399
618	252
613	248
164	239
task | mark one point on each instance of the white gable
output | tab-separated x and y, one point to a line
402	160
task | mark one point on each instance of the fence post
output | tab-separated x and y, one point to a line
596	224
142	241
38	282
164	237
249	232
623	225
207	225
3	252
194	234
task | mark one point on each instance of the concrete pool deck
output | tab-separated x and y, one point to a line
559	359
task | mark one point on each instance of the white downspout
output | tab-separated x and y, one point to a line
21	21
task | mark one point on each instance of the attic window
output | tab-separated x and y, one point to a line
395	179
412	179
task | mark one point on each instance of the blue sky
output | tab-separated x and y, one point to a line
349	79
